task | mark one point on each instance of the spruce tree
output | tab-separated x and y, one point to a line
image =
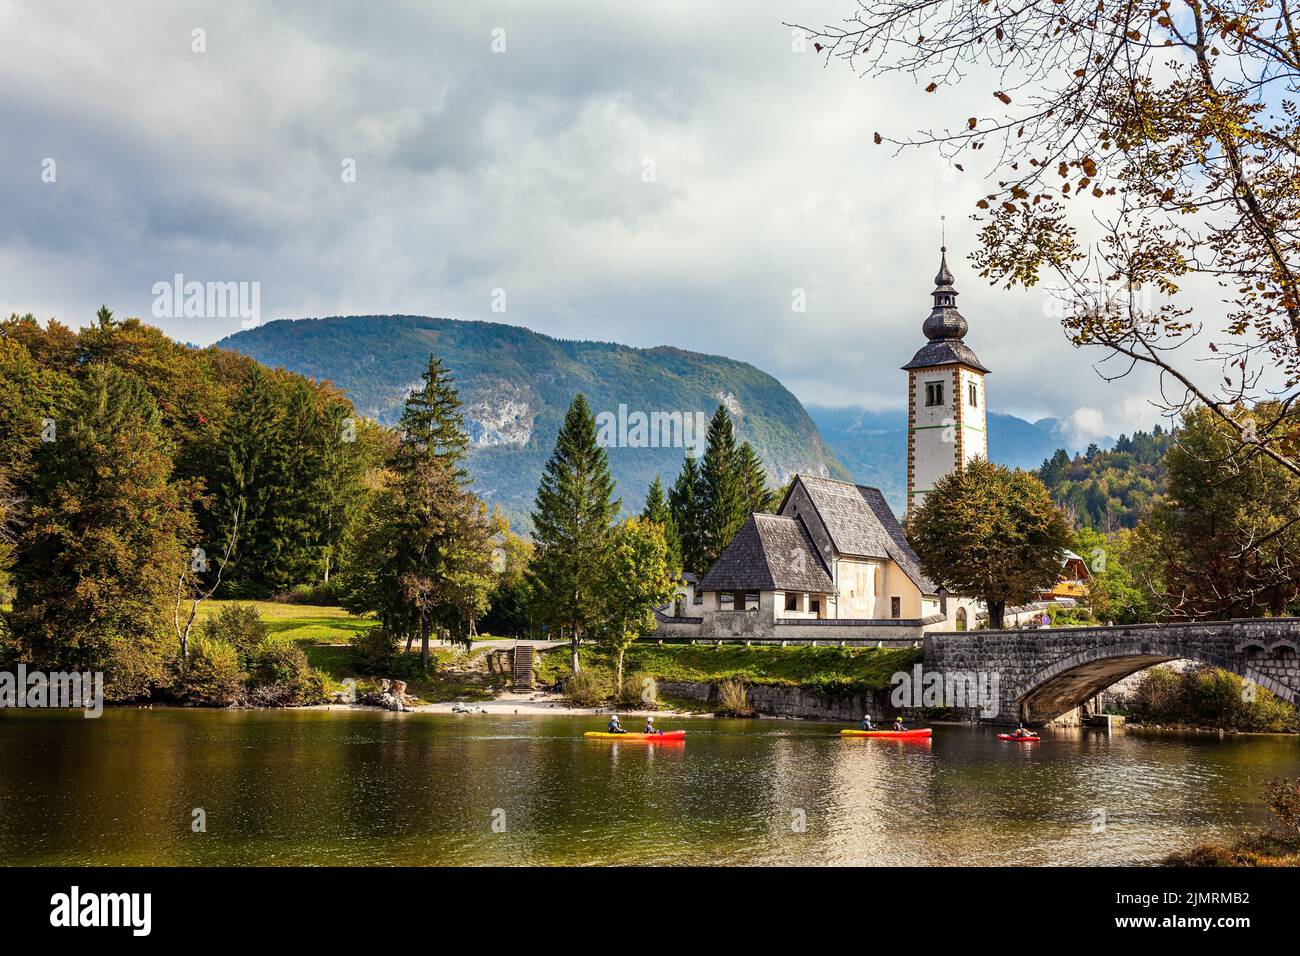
724	499
105	542
424	556
684	504
656	509
575	510
244	486
296	481
760	497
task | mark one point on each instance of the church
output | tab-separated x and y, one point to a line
832	564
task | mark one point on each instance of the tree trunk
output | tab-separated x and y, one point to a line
424	646
997	612
618	681
573	652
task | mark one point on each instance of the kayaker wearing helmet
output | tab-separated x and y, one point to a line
866	722
898	724
649	725
1023	731
614	726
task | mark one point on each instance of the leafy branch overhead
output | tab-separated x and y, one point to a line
1137	154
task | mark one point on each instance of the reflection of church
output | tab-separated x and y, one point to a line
833	564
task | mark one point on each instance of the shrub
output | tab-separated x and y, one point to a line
733	698
240	626
281	673
211	675
374	652
590	688
1284	803
639	689
1207	696
320	595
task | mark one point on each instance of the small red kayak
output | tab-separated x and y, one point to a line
895	734
1024	740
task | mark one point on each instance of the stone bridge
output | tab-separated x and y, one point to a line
1045	673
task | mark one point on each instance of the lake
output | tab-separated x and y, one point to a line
370	787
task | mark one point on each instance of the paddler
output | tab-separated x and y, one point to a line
614	726
898	724
649	725
1023	731
866	722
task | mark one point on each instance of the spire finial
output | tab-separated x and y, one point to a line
943	235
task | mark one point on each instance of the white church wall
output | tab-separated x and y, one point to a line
933	432
974	418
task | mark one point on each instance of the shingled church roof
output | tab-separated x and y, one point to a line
769	553
861	524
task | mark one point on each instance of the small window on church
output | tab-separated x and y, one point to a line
895	607
974	395
791	602
933	393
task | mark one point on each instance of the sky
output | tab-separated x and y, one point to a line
674	173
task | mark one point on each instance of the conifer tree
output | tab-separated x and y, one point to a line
724	498
424	557
104	544
575	509
656	509
760	497
244	484
684	504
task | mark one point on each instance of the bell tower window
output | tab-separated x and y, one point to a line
933	393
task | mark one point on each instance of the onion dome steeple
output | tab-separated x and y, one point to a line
945	327
945	322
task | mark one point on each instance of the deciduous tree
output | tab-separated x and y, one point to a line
991	533
637	578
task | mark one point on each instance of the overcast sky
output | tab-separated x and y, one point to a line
524	170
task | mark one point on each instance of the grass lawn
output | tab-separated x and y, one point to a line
822	668
325	633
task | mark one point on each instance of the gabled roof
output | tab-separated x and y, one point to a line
769	553
861	524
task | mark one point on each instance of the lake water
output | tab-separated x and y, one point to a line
368	787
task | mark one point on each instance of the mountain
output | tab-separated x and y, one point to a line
873	445
516	385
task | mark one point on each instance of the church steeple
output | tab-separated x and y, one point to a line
945	322
945	327
946	418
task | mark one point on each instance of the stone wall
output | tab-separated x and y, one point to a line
793	701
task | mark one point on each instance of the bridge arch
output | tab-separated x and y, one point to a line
1068	682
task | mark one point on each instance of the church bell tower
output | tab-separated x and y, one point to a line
946	422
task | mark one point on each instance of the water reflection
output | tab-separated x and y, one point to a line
346	787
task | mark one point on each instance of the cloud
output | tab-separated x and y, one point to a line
1083	426
653	174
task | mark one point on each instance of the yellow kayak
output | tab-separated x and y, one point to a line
665	735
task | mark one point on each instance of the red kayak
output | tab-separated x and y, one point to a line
1024	740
